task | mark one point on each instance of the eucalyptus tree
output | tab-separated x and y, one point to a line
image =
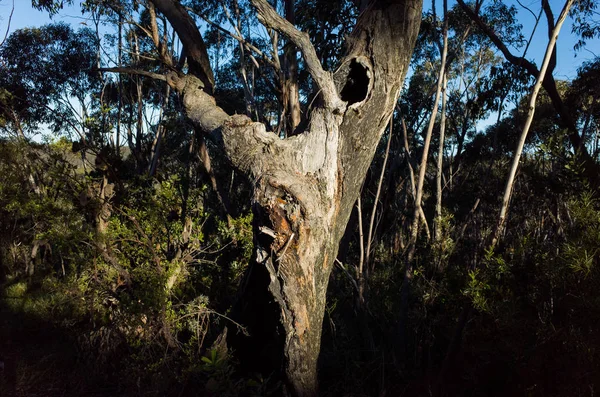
47	78
304	186
582	95
585	24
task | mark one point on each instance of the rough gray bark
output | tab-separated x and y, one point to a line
305	186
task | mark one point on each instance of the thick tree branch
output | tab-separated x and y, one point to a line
270	18
550	20
515	60
155	76
161	46
190	36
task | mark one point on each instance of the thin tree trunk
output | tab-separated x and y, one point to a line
531	111
120	93
160	132
291	93
237	25
437	221
360	303
437	231
497	234
370	235
360	279
590	167
414	229
412	177
222	195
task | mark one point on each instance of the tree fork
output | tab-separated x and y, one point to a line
305	186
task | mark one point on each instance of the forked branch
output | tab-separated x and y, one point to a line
270	18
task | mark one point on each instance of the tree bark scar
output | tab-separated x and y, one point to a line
326	260
238	121
282	228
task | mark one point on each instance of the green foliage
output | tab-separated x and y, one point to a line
476	290
580	250
44	68
140	284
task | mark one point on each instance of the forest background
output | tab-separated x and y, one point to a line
128	236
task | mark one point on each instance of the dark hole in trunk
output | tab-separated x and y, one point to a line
357	84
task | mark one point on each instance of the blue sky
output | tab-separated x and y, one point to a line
25	16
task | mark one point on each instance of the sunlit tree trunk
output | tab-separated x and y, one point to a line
548	57
437	230
497	233
291	89
305	186
591	169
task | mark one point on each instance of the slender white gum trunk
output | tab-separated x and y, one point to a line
423	166
414	230
531	111
377	194
440	163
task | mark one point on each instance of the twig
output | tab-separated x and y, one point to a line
239	38
279	256
139	72
341	266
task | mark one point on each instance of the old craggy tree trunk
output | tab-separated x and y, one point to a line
304	186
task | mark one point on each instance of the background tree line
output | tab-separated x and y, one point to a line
127	230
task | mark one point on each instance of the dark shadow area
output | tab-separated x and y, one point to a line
43	360
357	84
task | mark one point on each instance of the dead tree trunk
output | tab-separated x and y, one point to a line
305	186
